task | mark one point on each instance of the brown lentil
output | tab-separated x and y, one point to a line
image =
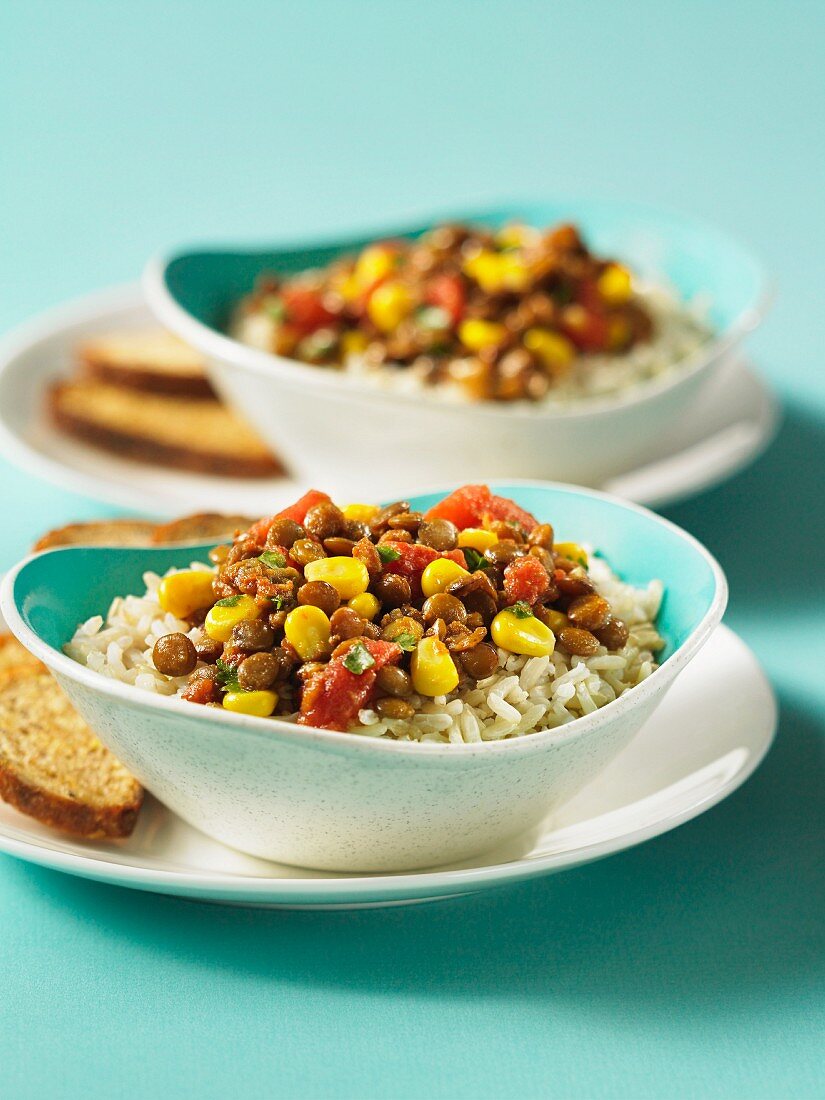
394	681
392	589
440	534
346	623
306	550
258	672
252	636
365	552
338	547
174	655
613	634
592	612
444	606
284	532
324	520
391	707
579	643
320	594
480	662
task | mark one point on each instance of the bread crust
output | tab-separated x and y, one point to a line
146	380
155	452
77	818
93	534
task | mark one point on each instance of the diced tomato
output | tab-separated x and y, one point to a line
587	327
413	558
305	309
297	511
447	292
526	579
455	555
203	690
470	505
332	698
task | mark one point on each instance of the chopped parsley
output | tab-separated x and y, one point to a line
433	318
275	308
475	560
407	641
230	601
273	558
387	553
227	676
358	659
522	610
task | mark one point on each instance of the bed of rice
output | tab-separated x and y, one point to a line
525	695
680	331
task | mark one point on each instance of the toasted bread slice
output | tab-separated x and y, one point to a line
15	655
108	532
192	435
201	527
151	360
54	768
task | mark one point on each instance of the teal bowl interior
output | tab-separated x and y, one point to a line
692	257
53	592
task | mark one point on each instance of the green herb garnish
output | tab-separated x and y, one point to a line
407	641
230	601
227	676
275	309
387	553
358	659
273	558
433	318
475	560
522	610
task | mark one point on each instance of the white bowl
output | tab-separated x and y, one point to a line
346	802
334	429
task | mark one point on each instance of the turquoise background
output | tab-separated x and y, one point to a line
692	966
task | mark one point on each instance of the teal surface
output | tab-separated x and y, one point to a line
694	258
693	966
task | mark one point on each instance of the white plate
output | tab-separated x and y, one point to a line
711	731
734	423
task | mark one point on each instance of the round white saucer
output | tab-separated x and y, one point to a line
711	731
734	423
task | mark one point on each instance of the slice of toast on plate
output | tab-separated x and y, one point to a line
151	360
54	768
108	532
202	436
201	527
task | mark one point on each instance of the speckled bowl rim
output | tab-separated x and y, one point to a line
219	346
344	743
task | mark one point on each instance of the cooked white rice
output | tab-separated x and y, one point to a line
526	694
680	331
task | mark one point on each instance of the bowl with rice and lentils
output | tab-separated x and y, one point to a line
381	687
555	339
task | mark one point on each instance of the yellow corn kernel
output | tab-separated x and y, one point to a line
513	272
259	703
389	304
555	351
517	235
556	620
572	551
348	576
182	593
374	263
526	635
486	268
226	614
615	284
439	574
476	538
475	334
353	342
433	669
365	604
361	513
307	629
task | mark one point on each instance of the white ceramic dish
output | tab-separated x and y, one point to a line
733	421
308	413
708	736
341	801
